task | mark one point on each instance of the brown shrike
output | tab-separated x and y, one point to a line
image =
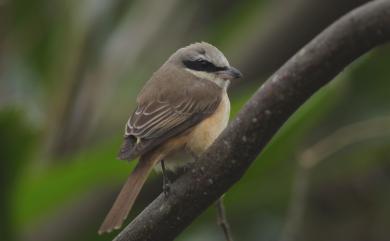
180	111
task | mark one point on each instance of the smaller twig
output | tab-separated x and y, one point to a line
222	220
344	137
297	205
319	152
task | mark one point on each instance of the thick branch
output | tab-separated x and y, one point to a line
230	156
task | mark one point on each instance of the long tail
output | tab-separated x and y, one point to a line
125	200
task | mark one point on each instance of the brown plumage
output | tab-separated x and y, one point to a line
181	109
165	112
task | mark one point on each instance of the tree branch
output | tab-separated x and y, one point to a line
229	157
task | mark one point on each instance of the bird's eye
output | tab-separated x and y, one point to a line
203	62
200	65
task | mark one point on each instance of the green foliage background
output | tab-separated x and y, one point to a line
69	74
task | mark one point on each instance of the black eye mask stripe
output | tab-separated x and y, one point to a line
202	65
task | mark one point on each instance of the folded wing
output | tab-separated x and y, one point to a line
165	115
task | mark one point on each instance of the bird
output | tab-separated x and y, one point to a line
180	112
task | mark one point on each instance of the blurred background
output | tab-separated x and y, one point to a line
69	75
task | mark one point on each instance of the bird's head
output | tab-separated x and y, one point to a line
205	61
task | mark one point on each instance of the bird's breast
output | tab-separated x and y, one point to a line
205	133
182	149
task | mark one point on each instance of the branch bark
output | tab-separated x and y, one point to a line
230	156
265	49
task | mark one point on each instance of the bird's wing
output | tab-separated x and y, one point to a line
171	111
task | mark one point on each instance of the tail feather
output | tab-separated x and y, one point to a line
127	151
126	198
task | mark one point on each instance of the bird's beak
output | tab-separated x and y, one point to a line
230	73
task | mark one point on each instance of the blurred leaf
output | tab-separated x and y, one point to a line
17	141
64	182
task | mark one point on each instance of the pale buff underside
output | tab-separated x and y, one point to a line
184	148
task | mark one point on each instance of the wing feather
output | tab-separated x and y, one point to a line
162	115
